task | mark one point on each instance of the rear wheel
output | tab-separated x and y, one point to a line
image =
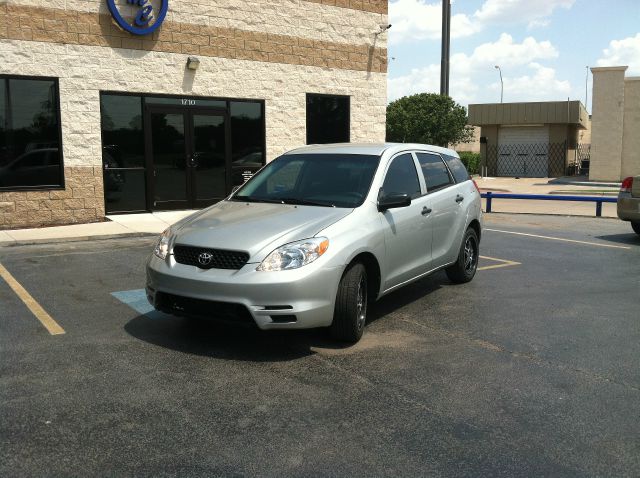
465	267
350	314
636	227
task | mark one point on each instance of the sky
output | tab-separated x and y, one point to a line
542	47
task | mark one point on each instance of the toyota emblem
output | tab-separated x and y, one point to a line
205	258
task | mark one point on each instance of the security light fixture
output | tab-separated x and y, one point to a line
193	63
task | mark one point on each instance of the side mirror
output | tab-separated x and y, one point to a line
393	201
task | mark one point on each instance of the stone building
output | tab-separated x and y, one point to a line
615	136
112	106
533	139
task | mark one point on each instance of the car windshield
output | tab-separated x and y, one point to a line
329	180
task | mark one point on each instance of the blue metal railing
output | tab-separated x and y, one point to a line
489	196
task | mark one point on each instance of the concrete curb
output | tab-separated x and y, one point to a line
595	184
585	193
58	240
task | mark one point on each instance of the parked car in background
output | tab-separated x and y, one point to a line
629	202
320	233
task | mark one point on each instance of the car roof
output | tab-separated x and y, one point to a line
376	149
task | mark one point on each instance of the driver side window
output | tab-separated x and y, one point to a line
402	177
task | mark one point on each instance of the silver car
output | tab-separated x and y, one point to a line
629	202
320	233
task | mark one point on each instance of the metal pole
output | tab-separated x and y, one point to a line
501	83
448	44
444	60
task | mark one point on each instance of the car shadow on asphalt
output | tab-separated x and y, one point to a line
245	343
631	239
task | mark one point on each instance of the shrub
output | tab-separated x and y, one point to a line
471	161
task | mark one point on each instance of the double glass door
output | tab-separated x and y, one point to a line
188	157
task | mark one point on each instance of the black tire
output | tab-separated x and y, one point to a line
350	315
465	267
636	227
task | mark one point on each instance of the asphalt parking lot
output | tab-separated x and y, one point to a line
532	369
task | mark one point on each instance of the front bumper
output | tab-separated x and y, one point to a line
628	207
296	299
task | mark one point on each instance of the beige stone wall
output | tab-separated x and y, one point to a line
472	146
631	134
80	201
309	19
607	123
253	49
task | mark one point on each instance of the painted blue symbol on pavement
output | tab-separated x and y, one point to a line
137	300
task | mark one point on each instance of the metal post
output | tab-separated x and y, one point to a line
599	209
444	60
488	201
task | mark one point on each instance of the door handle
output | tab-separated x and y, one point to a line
426	211
459	198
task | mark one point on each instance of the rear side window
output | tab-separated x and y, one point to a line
402	177
458	170
435	172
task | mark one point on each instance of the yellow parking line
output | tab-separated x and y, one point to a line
503	263
44	318
559	239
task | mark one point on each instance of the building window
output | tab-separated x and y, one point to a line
247	139
328	119
30	144
123	151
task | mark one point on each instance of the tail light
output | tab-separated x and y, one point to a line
627	184
478	189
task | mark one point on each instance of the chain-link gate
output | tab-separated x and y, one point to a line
527	160
583	157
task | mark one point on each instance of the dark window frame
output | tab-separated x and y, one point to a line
144	95
326	95
56	82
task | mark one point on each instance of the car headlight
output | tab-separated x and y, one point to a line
162	246
295	255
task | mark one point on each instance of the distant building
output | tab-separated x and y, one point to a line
615	150
538	139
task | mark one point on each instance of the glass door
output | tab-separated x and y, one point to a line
188	157
208	163
167	147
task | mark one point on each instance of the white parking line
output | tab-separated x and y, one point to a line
558	239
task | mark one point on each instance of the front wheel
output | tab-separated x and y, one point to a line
465	267
350	314
636	227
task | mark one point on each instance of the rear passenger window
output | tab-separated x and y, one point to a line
402	177
435	172
457	168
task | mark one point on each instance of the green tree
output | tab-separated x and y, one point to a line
427	118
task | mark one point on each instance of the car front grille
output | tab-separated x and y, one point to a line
217	311
210	258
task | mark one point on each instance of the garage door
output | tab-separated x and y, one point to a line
523	151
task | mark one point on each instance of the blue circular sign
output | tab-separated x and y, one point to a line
141	24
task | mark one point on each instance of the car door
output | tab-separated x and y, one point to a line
445	201
406	229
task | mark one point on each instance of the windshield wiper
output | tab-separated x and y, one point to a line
304	202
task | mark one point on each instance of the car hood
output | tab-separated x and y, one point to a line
257	228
